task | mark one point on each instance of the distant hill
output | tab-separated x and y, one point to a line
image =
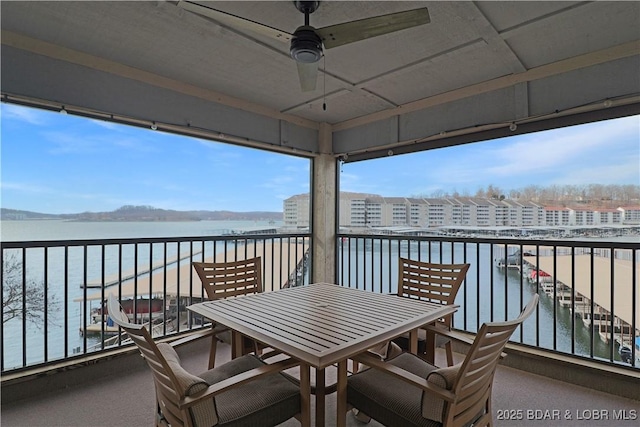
143	213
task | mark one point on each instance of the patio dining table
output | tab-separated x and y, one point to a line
322	324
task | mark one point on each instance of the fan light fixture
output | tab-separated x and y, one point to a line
306	45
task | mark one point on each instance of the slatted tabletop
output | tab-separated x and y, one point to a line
321	324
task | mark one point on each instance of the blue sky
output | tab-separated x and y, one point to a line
58	163
596	153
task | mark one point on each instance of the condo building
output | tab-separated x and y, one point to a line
372	210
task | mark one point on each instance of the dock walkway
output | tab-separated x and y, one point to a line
616	300
280	261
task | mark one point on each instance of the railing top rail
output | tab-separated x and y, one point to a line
138	240
503	240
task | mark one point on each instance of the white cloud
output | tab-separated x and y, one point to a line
108	125
546	150
32	116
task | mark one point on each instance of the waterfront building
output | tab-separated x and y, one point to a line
608	216
353	209
361	210
630	214
394	211
524	213
296	211
557	215
373	210
582	216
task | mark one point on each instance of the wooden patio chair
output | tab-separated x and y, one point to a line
227	280
244	391
437	283
408	391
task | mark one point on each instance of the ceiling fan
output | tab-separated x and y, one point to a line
306	42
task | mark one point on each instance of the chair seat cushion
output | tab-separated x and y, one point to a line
432	406
387	399
267	401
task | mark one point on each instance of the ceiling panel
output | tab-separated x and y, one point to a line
441	74
574	31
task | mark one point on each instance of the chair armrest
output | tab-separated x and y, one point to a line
237	380
446	332
453	335
406	376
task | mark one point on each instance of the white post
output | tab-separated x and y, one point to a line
323	215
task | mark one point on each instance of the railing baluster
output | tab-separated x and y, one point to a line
2	281
634	308
612	314
46	305
24	306
66	301
592	298
555	298
573	302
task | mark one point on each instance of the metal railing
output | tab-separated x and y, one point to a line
41	323
577	280
53	291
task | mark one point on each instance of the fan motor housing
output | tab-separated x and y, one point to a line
307	6
306	45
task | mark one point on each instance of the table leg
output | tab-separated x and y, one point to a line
305	393
341	395
413	341
237	343
320	397
430	347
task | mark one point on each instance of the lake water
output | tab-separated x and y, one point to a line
47	230
70	230
496	291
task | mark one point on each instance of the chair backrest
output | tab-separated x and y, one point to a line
438	283
228	279
473	384
165	380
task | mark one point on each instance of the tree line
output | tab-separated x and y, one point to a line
591	194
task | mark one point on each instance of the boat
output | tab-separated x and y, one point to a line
143	307
145	310
626	354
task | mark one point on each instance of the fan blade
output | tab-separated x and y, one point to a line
235	21
308	74
349	32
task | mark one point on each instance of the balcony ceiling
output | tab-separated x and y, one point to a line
470	73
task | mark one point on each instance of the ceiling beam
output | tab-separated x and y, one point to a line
51	50
577	116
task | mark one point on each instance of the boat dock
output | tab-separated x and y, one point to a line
281	262
283	265
114	279
571	282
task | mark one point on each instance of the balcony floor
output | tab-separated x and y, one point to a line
127	400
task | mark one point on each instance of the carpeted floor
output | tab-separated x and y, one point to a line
519	399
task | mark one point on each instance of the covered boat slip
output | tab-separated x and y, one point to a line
280	262
625	275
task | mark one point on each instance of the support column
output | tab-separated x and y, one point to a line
323	215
